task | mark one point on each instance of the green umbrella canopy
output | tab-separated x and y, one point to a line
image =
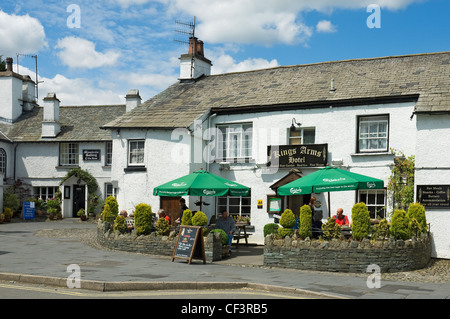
329	179
201	183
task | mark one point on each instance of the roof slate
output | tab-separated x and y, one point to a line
78	123
426	75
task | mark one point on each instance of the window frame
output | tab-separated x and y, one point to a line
220	207
378	206
75	154
301	130
129	153
223	145
108	153
378	118
3	162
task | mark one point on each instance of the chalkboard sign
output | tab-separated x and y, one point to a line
190	244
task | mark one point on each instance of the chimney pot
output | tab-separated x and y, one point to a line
9	64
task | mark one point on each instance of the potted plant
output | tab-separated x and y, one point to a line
2	218
8	214
82	214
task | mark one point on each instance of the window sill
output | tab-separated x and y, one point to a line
130	169
235	160
67	166
373	154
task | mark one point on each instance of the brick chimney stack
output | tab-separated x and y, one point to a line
193	65
9	64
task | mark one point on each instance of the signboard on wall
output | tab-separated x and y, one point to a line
307	155
434	196
91	155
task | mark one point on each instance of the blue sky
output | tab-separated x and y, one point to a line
125	44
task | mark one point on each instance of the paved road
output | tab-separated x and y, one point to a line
26	257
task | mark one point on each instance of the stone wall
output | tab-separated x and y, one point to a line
347	255
153	244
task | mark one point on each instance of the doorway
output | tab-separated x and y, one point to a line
171	206
79	199
296	201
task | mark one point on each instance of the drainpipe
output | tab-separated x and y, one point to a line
209	136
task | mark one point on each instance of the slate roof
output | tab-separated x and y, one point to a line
421	77
78	123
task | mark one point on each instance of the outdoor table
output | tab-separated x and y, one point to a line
240	227
346	231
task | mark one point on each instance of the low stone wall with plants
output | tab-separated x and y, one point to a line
153	244
401	244
338	255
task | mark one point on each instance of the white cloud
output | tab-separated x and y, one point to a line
78	91
325	26
81	53
224	63
20	34
266	22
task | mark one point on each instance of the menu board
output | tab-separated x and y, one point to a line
189	244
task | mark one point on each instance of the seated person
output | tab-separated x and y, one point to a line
227	224
162	214
340	218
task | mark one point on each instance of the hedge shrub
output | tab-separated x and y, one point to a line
361	221
270	228
331	229
287	219
120	224
400	225
199	219
417	211
186	220
143	219
162	227
223	235
305	228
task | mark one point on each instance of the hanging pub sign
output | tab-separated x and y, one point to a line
437	196
307	155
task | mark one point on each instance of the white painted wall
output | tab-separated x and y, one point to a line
335	126
10	96
433	168
165	159
38	165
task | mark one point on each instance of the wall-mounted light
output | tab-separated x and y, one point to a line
118	132
293	128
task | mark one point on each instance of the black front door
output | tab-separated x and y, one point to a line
78	199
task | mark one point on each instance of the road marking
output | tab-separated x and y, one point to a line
75	292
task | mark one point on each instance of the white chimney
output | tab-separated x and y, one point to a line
194	64
50	123
28	93
133	99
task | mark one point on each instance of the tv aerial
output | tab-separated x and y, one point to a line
186	28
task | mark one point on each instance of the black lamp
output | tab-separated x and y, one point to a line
293	128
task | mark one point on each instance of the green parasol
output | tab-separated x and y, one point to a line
329	179
201	183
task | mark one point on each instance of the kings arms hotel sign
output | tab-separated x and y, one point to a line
287	156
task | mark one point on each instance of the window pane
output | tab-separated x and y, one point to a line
136	152
309	136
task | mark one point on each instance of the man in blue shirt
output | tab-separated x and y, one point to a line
227	224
